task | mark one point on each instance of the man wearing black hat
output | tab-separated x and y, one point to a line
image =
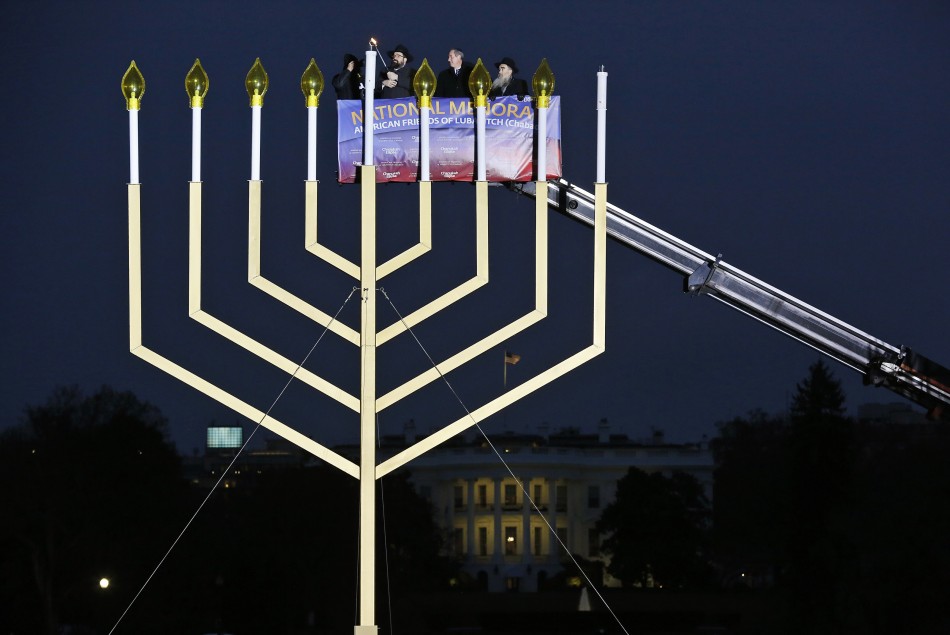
453	81
397	81
348	83
506	83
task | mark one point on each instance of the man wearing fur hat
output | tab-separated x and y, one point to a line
397	81
506	83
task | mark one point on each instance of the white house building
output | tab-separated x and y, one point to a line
504	537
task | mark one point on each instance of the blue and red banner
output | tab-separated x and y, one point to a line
509	139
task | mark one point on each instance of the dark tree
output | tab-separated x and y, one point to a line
656	531
821	462
89	488
750	493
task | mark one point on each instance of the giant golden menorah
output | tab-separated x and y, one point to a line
368	272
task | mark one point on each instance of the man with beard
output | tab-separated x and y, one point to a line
348	83
453	81
506	83
397	80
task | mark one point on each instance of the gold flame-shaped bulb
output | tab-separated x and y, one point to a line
196	84
311	83
256	83
423	84
543	84
133	87
479	84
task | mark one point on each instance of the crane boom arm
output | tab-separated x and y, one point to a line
897	368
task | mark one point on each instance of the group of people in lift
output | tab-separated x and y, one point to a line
395	80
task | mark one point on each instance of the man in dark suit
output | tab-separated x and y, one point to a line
453	81
397	80
506	84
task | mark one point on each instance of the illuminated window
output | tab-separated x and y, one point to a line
224	437
511	541
511	496
537	496
482	496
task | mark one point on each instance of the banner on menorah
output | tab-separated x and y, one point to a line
509	140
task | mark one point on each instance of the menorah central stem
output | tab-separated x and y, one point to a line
367	568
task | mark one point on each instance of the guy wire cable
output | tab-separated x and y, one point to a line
505	464
225	471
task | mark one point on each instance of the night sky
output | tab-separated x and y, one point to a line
807	142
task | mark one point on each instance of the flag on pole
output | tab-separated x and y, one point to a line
510	358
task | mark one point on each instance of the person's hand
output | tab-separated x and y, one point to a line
350	66
393	76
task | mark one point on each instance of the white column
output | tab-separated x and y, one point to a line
196	143
601	125
424	114
542	144
480	143
133	146
255	143
470	525
311	143
369	85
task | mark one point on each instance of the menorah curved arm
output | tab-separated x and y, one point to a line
221	328
256	279
596	348
478	280
328	255
310	235
425	235
198	383
501	335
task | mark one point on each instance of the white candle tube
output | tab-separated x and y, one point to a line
255	143
311	143
133	145
424	143
601	125
369	85
542	144
480	142
196	143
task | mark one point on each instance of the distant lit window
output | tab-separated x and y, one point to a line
483	496
511	495
511	541
593	496
537	496
225	437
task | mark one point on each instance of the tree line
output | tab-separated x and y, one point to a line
837	525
